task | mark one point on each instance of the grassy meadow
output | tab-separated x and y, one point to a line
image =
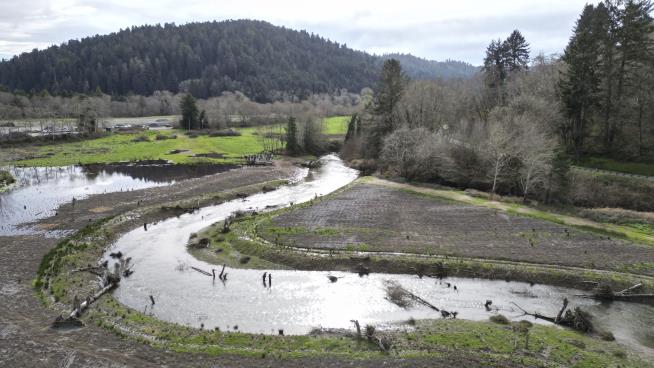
144	146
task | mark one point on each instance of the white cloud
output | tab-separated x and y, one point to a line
432	29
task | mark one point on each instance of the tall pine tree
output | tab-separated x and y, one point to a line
390	88
579	83
292	146
190	119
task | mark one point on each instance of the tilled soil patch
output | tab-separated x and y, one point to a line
370	217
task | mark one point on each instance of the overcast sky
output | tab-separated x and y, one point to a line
453	29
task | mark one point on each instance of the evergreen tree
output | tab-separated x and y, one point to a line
579	83
495	70
516	51
202	119
633	48
292	146
351	128
390	88
189	109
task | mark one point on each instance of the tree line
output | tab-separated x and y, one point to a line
607	80
265	62
227	110
516	127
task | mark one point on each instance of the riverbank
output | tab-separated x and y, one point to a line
445	341
359	223
25	337
428	342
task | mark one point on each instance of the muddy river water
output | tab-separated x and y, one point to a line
40	190
299	301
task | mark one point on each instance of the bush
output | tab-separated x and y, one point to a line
589	189
163	137
618	216
6	178
141	138
225	133
366	167
499	319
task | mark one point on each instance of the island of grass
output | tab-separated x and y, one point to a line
6	179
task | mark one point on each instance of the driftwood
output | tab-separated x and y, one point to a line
109	281
202	271
358	326
605	293
576	319
398	295
96	270
86	303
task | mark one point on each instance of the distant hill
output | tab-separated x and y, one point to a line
419	68
255	57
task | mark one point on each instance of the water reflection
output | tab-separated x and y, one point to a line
39	191
299	301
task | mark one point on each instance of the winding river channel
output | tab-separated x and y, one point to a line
39	191
299	301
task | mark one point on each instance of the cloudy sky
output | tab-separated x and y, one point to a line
453	29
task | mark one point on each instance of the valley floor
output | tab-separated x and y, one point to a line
368	216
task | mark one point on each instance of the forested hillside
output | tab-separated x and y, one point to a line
419	68
257	58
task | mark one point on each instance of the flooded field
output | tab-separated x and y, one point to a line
299	301
39	191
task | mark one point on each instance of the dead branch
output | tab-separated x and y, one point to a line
577	319
202	271
398	295
604	292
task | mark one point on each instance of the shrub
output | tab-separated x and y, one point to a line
6	179
589	189
366	167
163	137
499	319
141	138
225	133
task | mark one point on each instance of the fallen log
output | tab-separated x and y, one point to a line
605	293
576	319
85	304
398	295
72	320
202	271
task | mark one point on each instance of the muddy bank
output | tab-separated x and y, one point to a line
157	170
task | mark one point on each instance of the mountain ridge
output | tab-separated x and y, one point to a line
260	59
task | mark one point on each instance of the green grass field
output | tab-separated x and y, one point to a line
122	147
638	168
336	125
